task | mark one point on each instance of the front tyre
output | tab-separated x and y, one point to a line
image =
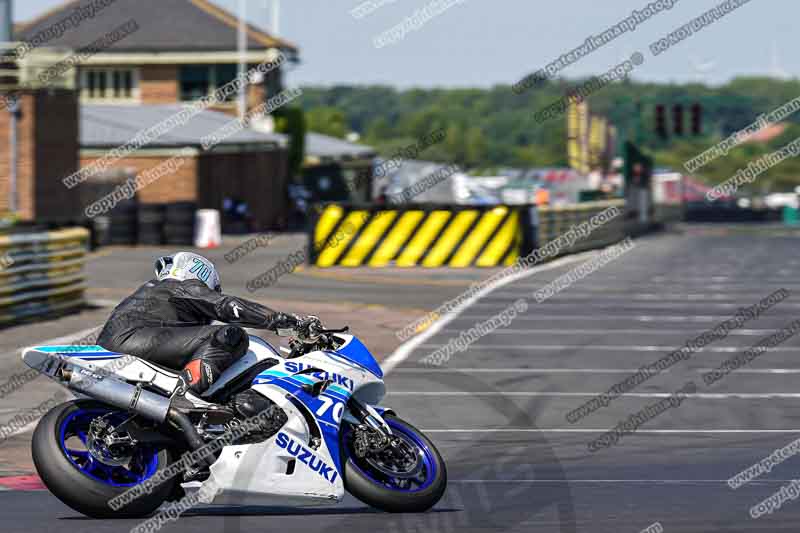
82	482
388	480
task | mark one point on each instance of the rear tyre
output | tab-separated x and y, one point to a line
82	482
367	478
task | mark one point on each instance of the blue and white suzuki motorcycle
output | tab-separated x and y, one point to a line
126	428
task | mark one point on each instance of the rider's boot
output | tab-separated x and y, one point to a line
187	399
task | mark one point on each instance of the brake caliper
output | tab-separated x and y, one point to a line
109	445
368	440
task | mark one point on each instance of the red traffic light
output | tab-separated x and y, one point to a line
697	119
661	121
677	119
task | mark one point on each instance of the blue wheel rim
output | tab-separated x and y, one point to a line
76	425
429	471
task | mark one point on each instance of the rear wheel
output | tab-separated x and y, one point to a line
409	477
61	455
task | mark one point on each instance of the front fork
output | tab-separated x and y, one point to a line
366	414
372	433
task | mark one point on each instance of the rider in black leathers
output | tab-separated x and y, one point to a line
167	321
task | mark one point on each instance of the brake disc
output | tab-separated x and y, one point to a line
400	459
109	446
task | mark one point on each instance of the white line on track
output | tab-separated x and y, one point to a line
627	304
614	481
521	370
605	331
620	318
405	349
730	288
540	394
757	370
621	294
581	370
603	430
612	348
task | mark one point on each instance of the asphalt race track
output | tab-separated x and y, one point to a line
498	410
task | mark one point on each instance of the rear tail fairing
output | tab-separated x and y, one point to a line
120	381
50	360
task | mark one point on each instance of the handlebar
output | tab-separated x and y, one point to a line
310	329
340	330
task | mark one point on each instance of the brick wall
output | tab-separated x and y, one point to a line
158	84
47	151
255	97
180	186
25	157
259	178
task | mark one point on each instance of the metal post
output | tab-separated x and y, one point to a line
6	21
13	110
276	17
242	45
6	36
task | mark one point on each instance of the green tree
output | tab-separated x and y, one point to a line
379	129
291	121
328	121
475	148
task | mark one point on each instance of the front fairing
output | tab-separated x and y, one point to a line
354	351
352	372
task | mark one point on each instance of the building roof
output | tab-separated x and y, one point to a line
324	146
164	26
109	126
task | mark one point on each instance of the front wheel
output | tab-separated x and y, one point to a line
63	461
408	478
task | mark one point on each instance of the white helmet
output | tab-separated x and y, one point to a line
186	265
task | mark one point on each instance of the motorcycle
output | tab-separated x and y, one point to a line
127	430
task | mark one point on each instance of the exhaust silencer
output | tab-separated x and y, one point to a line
117	393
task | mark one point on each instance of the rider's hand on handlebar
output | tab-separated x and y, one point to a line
285	325
309	329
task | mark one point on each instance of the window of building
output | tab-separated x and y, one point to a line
109	84
195	81
198	81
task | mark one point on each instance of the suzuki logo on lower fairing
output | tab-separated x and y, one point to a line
307	457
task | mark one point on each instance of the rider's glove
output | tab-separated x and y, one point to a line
282	322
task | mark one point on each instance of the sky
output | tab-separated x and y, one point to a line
481	43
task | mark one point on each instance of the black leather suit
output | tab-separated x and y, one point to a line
168	322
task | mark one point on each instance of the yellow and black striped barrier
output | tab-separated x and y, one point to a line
426	236
461	236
